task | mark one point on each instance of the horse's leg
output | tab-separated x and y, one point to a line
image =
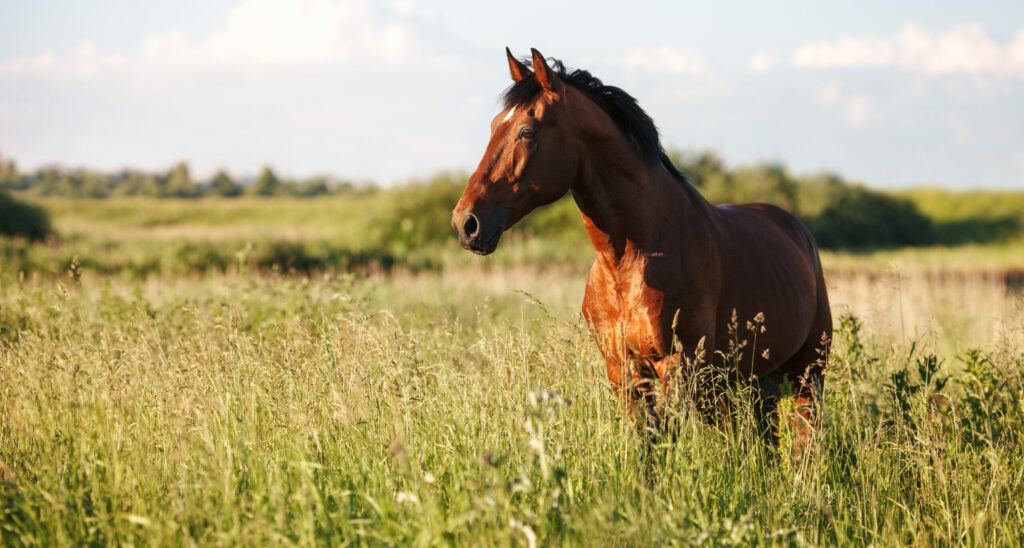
660	400
805	371
652	383
802	419
637	393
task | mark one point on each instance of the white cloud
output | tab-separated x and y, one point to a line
39	63
964	49
408	7
1016	53
84	61
284	33
827	95
258	33
855	109
680	60
844	52
762	62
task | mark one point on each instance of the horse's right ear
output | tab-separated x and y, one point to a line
516	67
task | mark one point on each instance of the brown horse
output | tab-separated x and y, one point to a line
669	264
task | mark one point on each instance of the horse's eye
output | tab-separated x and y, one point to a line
526	133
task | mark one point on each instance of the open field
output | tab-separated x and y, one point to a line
220	396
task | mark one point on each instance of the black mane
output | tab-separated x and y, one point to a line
634	123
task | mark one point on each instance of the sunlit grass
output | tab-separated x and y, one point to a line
448	407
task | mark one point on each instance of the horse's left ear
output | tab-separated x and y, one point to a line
547	79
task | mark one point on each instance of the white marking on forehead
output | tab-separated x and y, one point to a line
510	113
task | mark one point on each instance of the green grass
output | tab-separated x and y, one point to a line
446	408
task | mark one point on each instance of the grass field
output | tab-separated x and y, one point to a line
460	400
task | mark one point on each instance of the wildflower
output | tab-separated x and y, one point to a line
406	496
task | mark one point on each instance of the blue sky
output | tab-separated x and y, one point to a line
895	94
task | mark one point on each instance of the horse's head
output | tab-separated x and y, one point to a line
530	160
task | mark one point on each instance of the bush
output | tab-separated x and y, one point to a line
418	215
20	219
853	217
559	221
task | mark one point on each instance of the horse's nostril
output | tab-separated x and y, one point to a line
471	226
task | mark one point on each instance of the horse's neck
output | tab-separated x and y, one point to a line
635	208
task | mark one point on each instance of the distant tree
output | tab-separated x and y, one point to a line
312	187
289	187
154	186
69	184
267	184
179	184
699	167
817	192
768	183
128	182
91	185
9	177
45	182
223	186
344	187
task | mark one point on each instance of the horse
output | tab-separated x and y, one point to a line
671	270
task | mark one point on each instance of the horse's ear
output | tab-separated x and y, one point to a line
544	75
516	67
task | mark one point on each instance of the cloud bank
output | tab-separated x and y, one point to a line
258	34
962	50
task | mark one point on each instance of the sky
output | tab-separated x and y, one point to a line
894	94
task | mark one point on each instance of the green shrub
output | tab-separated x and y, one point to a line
18	218
853	217
559	221
416	215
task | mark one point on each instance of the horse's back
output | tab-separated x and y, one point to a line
754	218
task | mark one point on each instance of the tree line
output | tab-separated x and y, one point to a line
840	213
177	182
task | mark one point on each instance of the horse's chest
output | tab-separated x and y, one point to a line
627	315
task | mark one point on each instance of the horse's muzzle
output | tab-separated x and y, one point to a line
478	233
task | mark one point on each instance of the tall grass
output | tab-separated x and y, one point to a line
448	408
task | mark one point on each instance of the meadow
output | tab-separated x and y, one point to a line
289	371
